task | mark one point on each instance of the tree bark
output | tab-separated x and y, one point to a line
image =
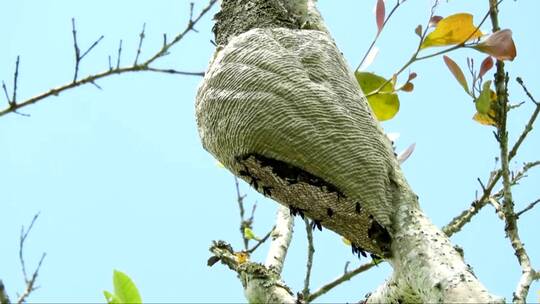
280	108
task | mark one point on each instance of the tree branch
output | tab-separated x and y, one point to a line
14	106
261	283
529	207
511	228
309	263
240	201
30	282
457	223
141	38
261	241
530	123
343	278
281	239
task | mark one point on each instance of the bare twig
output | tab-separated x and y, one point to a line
173	71
76	48
12	102
190	27
15	78
261	241
30	282
22	239
530	123
96	85
529	207
398	3
78	56
309	264
520	81
6	93
30	285
141	38
459	221
119	55
92	46
481	184
243	223
119	70
345	277
87	80
191	5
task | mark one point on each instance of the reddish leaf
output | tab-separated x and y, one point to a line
487	64
499	45
418	30
407	87
411	76
456	71
379	15
434	21
405	154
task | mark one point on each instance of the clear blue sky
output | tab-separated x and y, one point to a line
122	182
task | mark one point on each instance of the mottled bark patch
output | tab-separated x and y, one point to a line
309	195
239	16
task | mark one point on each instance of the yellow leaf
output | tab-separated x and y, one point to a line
486	106
485	119
241	257
220	165
346	241
383	102
453	29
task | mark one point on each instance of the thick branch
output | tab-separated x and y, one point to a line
281	239
511	228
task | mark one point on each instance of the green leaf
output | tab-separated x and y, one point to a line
456	71
250	235
483	102
111	298
486	106
385	102
124	288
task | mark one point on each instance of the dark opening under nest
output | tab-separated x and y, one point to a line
308	195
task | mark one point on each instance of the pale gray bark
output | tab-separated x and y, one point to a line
281	239
261	283
280	108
